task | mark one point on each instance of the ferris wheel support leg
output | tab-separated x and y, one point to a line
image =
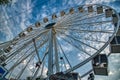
36	50
18	77
36	73
41	74
50	54
56	55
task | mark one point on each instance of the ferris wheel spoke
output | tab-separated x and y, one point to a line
88	24
78	20
86	38
21	48
90	38
80	49
69	17
11	55
5	44
27	37
72	44
86	61
94	16
45	54
75	39
89	31
64	64
35	33
22	55
33	36
64	54
17	63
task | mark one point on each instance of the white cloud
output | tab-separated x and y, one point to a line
44	15
22	25
24	62
28	5
44	6
65	2
67	66
27	13
6	26
111	73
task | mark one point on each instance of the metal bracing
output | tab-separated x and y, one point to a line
69	21
80	49
90	58
40	68
22	54
15	40
45	54
28	36
76	16
64	64
72	44
90	24
6	44
77	40
13	54
89	31
17	63
64	54
24	46
88	39
21	72
36	72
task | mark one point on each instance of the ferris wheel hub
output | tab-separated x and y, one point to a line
50	25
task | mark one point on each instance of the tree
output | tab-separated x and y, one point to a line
4	2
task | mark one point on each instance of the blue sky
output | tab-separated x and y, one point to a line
23	13
36	10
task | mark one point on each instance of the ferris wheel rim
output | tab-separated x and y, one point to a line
116	26
105	45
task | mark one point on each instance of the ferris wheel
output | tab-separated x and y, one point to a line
60	45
